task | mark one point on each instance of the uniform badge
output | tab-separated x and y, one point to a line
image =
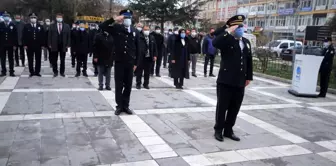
39	28
331	52
11	27
248	46
240	17
134	34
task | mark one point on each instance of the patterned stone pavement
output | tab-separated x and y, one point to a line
66	122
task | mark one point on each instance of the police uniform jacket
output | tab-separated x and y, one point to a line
33	37
328	59
103	48
236	64
82	43
8	35
127	48
144	46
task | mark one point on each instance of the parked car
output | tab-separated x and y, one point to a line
278	45
288	54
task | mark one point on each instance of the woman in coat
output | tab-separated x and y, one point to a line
103	49
180	59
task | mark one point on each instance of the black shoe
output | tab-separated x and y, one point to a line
55	75
31	75
100	88
96	74
63	75
211	75
219	136
39	75
118	111
73	66
181	87
3	75
146	86
194	75
23	65
177	87
17	65
232	136
138	87
12	74
108	88
158	75
151	75
128	111
85	75
322	95
205	75
77	75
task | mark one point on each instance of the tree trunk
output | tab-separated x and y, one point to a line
162	24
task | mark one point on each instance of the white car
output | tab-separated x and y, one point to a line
278	45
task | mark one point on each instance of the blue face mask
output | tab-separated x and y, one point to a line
183	35
239	32
82	29
6	19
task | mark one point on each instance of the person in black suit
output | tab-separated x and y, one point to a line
159	40
170	47
148	55
127	57
19	27
8	43
33	41
235	74
326	66
74	30
82	44
46	50
59	40
93	32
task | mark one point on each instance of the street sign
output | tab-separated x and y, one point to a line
317	33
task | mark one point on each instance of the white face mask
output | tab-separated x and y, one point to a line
176	32
158	31
146	33
170	33
193	34
47	23
127	22
326	44
33	20
59	20
139	29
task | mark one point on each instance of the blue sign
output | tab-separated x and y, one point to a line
288	11
298	73
306	9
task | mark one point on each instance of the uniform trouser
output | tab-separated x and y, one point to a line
7	51
157	65
229	100
193	58
324	81
37	53
165	57
123	77
20	55
104	71
55	59
73	57
144	69
208	58
81	62
45	53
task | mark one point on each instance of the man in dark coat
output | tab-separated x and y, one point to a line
159	40
180	59
46	50
74	30
148	53
33	41
59	40
194	50
235	74
326	66
127	57
210	53
170	47
93	32
8	43
82	46
19	27
103	49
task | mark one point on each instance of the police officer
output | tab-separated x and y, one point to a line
235	74
326	66
34	41
19	27
8	43
127	57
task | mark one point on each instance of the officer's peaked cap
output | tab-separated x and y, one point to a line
6	14
235	20
32	15
126	12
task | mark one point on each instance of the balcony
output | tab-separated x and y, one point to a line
323	7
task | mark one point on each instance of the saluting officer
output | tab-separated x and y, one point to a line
33	42
8	43
127	57
235	74
326	66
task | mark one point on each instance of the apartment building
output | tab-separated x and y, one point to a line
209	11
278	16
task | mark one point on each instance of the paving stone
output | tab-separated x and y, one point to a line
104	143
315	148
78	139
7	127
51	124
187	151
57	161
111	156
74	126
53	147
28	130
3	161
4	151
175	141
156	124
24	155
26	145
24	163
53	83
172	161
83	156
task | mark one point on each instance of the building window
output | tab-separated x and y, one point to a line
321	2
319	20
306	3
280	21
261	8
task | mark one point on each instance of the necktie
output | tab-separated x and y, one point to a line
59	28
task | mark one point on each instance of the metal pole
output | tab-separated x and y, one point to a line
111	8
